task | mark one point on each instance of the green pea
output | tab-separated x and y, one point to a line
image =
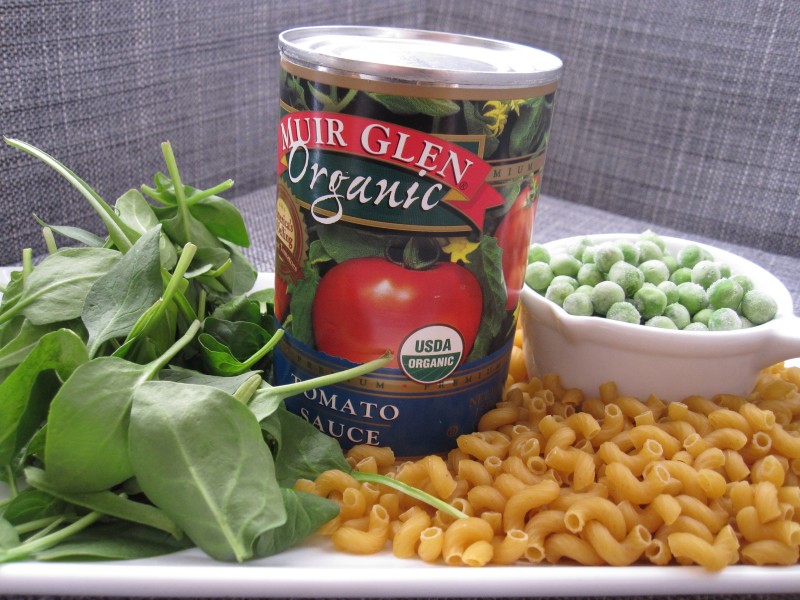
584	289
588	254
671	262
564	264
538	275
578	304
605	294
705	273
565	279
681	275
627	276
625	312
689	255
655	271
725	293
759	307
651	236
724	319
576	248
661	322
724	269
589	274
650	301
702	316
538	253
744	281
606	255
670	289
630	252
557	292
649	250
692	296
696	327
678	314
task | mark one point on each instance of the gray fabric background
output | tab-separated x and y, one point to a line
684	114
681	116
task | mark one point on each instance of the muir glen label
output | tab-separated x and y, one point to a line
403	218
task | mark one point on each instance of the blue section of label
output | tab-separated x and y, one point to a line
386	408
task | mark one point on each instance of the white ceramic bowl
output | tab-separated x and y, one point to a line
588	351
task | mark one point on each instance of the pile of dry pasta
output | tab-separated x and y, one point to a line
554	476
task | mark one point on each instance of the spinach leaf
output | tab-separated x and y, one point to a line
27	336
305	513
87	427
198	454
228	385
221	217
107	503
139	215
86	238
21	409
303	451
114	541
32	505
117	299
86	449
8	535
56	289
230	357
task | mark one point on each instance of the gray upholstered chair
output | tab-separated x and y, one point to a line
682	117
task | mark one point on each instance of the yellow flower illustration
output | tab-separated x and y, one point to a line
459	248
498	113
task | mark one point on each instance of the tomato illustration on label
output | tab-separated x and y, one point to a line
513	237
365	306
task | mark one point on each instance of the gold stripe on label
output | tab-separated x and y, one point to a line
390	386
510	170
355	81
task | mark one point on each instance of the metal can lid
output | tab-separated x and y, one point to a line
419	57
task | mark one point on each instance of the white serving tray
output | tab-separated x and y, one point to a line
315	569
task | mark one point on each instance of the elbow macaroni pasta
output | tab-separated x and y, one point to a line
556	475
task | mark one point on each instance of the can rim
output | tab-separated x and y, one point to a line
451	60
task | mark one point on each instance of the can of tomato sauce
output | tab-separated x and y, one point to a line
409	166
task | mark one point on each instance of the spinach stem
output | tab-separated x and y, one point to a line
163	360
248	388
201	195
12	483
262	352
49	240
27	263
37	524
408	490
27	548
112	221
186	257
180	194
290	389
46	528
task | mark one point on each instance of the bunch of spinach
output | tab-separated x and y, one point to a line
136	417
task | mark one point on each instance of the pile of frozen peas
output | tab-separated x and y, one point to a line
641	282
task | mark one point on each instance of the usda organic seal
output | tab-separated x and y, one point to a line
431	353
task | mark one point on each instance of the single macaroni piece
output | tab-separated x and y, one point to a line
716	555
